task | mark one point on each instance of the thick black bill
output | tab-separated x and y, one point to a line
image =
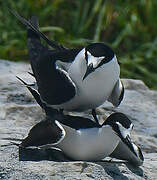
134	149
122	152
88	71
128	142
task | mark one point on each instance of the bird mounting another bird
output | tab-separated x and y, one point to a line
73	79
82	139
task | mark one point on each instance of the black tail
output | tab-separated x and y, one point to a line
34	93
48	110
43	65
34	28
41	58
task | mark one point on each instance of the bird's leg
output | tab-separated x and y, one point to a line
94	115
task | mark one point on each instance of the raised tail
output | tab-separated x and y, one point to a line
50	80
32	26
34	92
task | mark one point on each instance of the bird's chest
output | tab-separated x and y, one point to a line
90	144
95	86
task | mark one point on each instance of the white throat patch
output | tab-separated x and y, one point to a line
124	131
94	60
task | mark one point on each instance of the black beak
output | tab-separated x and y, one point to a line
128	142
88	71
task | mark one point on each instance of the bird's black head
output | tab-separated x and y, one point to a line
122	126
118	118
96	55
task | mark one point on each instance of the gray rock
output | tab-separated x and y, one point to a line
19	112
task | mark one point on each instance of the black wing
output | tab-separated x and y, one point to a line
48	110
50	80
54	85
77	122
43	133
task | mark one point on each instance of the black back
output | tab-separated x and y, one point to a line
77	122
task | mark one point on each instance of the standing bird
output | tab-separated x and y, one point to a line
73	79
82	139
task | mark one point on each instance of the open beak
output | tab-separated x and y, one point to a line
88	71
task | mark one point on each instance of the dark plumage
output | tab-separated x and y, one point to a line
45	132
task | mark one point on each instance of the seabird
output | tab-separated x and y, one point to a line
126	149
82	139
73	79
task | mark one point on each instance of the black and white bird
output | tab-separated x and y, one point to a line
80	138
73	79
126	149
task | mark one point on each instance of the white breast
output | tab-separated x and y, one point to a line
89	144
96	88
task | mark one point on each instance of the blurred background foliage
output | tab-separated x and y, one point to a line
129	27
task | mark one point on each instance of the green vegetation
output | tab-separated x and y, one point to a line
129	27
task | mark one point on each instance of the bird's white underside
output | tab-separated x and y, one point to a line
93	90
89	144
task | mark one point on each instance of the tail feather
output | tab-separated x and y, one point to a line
34	93
48	110
53	44
31	74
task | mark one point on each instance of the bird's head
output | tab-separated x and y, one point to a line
96	55
122	126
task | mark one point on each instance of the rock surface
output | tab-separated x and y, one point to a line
19	112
